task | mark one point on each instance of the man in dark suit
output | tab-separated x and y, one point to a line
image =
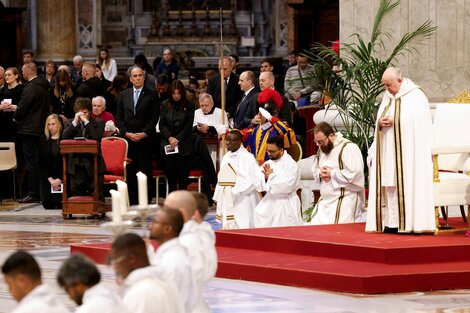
137	114
247	108
31	114
233	94
80	166
91	86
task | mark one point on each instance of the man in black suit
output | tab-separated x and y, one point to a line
91	85
31	114
247	108
80	166
233	94
137	114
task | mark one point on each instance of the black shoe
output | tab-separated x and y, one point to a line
29	199
388	230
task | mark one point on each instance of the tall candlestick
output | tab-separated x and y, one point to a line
116	205
122	188
142	185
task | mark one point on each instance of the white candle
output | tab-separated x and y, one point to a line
116	205
142	185
122	188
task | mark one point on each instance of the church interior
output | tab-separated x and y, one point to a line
326	268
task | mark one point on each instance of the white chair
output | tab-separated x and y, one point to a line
451	158
8	161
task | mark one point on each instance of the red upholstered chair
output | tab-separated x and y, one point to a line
197	175
114	152
159	174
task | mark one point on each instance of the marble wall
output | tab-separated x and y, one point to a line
441	66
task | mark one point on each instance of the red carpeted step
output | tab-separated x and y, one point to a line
339	275
349	241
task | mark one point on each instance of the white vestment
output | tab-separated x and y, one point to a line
238	202
101	299
213	119
173	265
401	161
208	240
342	197
43	298
281	205
201	257
147	293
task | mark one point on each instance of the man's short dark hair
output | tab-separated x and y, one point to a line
235	57
78	269
130	243
82	103
30	52
21	262
175	219
162	79
276	140
202	204
323	127
237	134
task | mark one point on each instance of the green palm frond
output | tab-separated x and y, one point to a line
358	85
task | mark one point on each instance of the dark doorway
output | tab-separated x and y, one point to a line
11	44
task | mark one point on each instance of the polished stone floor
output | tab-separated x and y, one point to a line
47	236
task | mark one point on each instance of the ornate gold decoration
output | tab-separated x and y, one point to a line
463	97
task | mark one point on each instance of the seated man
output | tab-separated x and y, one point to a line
235	203
80	279
300	83
23	277
281	205
339	169
80	166
99	106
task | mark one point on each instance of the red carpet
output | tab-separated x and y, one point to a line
340	258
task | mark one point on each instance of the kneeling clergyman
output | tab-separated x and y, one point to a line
235	194
339	168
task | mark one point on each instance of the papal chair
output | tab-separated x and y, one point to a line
451	160
8	161
295	151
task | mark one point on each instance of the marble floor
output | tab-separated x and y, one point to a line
46	235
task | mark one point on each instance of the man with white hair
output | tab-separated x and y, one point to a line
76	75
400	189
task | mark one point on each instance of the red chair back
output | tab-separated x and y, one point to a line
114	151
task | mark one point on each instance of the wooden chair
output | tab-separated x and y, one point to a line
8	161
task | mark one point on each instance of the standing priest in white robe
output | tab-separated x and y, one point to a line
236	201
401	182
339	169
281	205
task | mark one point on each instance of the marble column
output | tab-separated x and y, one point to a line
56	29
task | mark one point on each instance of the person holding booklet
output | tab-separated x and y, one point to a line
176	123
50	164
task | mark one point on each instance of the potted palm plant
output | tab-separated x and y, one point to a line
354	88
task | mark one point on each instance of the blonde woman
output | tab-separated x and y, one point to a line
108	65
50	164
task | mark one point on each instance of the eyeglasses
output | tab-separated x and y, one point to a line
272	151
320	142
117	260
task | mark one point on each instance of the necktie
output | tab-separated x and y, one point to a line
226	83
136	98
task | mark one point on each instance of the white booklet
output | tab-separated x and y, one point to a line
169	149
59	189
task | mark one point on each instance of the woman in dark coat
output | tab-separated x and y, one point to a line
50	164
176	121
